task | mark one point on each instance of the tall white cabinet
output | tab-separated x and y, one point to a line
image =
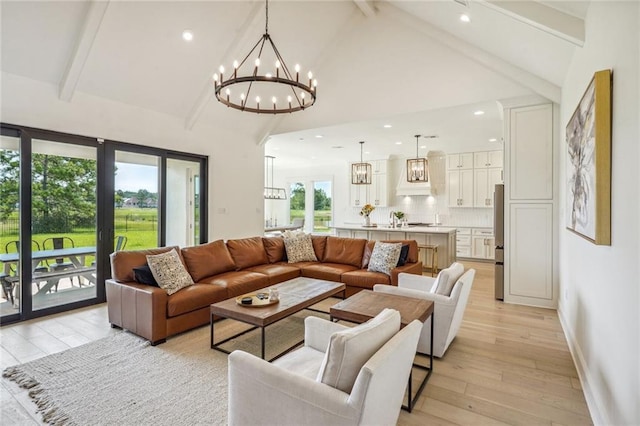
531	246
376	194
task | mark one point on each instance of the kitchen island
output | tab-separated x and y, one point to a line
443	237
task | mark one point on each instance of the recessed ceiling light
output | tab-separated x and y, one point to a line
493	140
367	152
387	126
319	136
465	18
187	35
423	146
478	113
398	143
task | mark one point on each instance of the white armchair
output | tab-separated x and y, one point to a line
448	309
290	391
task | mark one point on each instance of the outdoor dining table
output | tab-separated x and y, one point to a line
76	255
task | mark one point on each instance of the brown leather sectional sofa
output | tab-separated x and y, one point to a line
224	270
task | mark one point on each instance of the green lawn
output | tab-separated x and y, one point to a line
320	219
138	225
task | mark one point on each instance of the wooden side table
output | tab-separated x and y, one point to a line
366	304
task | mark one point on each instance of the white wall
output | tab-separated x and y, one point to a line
235	159
599	285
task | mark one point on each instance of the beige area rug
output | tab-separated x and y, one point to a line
122	379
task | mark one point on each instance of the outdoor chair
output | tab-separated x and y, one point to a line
57	243
121	242
11	280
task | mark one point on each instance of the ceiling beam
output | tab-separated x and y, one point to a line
366	7
76	63
542	17
488	60
246	28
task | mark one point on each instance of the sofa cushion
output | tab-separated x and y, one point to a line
350	349
143	275
274	246
169	271
247	252
194	297
347	251
384	257
404	253
123	262
319	245
326	271
276	272
208	259
238	283
364	279
299	248
447	278
412	253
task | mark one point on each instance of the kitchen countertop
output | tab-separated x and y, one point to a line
386	228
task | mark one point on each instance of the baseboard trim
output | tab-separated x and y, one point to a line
597	411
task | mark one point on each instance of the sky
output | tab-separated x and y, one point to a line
133	177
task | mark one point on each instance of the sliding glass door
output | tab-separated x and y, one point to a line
136	207
64	180
10	306
67	202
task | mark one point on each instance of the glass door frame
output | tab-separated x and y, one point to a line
27	135
105	197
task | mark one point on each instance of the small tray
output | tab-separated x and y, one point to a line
256	302
370	226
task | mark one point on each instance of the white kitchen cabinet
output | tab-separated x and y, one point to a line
359	195
460	161
460	188
463	242
379	167
531	153
483	244
484	181
344	233
486	159
377	193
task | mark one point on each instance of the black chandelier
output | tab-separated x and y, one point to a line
287	93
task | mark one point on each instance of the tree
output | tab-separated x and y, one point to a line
63	190
321	201
9	182
297	197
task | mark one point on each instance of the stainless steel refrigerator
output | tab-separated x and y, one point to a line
498	229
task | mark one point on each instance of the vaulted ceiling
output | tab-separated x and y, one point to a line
375	60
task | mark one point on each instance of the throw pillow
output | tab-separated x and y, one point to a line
447	278
299	248
169	272
404	253
384	257
350	349
143	275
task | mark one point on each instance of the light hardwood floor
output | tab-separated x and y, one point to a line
509	364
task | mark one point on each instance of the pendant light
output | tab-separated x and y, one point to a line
417	168
270	192
361	172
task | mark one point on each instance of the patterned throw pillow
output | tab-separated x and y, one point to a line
299	247
169	271
384	257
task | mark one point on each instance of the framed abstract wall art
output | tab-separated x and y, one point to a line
589	163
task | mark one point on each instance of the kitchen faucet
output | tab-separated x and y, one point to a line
392	216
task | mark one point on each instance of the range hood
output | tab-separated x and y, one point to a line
405	188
